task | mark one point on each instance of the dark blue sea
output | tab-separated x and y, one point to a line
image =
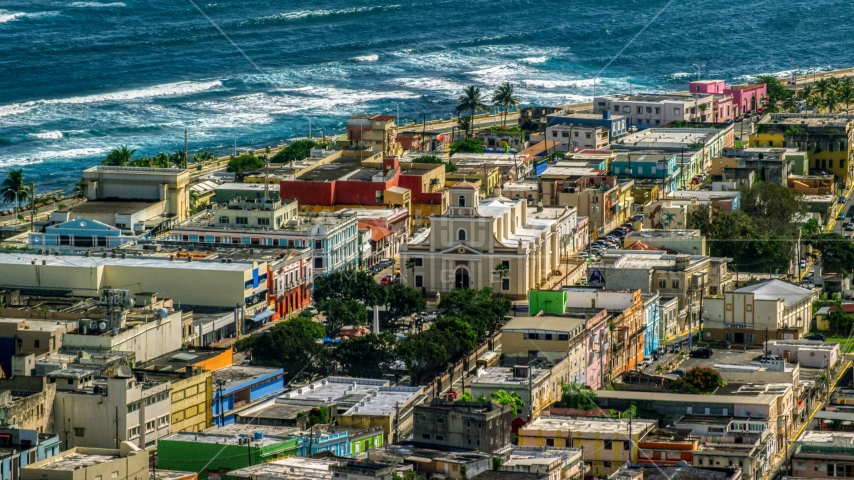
78	78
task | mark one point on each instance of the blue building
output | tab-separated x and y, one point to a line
652	330
79	235
236	388
19	448
616	124
336	442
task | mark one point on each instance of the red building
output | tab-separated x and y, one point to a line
289	281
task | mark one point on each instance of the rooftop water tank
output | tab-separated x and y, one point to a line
259	435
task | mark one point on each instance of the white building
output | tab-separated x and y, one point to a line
572	138
646	110
105	412
463	247
756	313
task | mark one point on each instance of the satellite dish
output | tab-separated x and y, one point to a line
102	326
124	372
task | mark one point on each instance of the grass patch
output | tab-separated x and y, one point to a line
740	143
845	345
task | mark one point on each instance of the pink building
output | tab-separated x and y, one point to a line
745	98
723	108
824	455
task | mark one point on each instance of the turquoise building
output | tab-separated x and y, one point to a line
19	448
651	320
79	235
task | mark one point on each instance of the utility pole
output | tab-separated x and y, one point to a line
186	147
117	428
249	449
424	129
33	207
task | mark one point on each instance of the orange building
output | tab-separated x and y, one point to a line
667	447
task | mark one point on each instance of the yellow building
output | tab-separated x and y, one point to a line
189	372
486	177
827	138
606	443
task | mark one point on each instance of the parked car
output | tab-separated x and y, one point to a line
632	129
451	394
702	353
386	280
803	263
816	336
841	216
582	255
638	218
678	372
719	344
647	361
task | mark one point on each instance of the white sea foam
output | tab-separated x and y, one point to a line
52	155
549	84
164	90
437	84
683	75
366	58
321	13
52	135
97	5
7	16
535	60
500	73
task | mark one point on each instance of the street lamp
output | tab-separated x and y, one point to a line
698	70
309	127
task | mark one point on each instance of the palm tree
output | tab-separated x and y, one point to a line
502	271
831	101
119	156
161	160
821	87
410	265
141	162
805	92
465	124
504	96
79	188
846	93
13	189
813	102
179	159
471	101
501	397
772	107
194	200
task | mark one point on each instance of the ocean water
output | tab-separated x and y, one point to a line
78	78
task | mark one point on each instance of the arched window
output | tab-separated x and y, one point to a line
461	202
461	234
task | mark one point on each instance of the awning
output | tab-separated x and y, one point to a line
262	316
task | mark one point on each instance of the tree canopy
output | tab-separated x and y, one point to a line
424	353
466	145
291	346
478	307
501	397
297	150
576	395
403	300
354	284
368	356
449	167
836	252
340	312
244	162
698	380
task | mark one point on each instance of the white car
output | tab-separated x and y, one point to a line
647	361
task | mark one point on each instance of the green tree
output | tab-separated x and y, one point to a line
459	329
576	395
773	207
317	416
471	101
836	252
810	228
195	198
355	284
502	271
449	167
478	307
501	397
161	160
79	188
291	346
838	319
465	125
378	349
403	301
296	151
244	162
831	101
178	159
340	312
505	96
14	185
466	145
424	353
777	91
119	156
698	380
846	92
466	397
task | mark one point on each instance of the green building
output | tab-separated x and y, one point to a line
550	302
218	453
362	440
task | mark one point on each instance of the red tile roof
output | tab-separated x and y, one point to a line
382	118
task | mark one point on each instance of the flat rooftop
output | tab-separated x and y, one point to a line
12	257
523	186
703	195
571	172
807	120
117	206
657	97
653	233
421	454
344	168
544	323
226	438
77	460
42	325
669	137
504	376
71	373
240	373
277	411
180	359
248	187
590	425
585	116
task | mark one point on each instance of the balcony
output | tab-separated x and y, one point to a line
461	212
